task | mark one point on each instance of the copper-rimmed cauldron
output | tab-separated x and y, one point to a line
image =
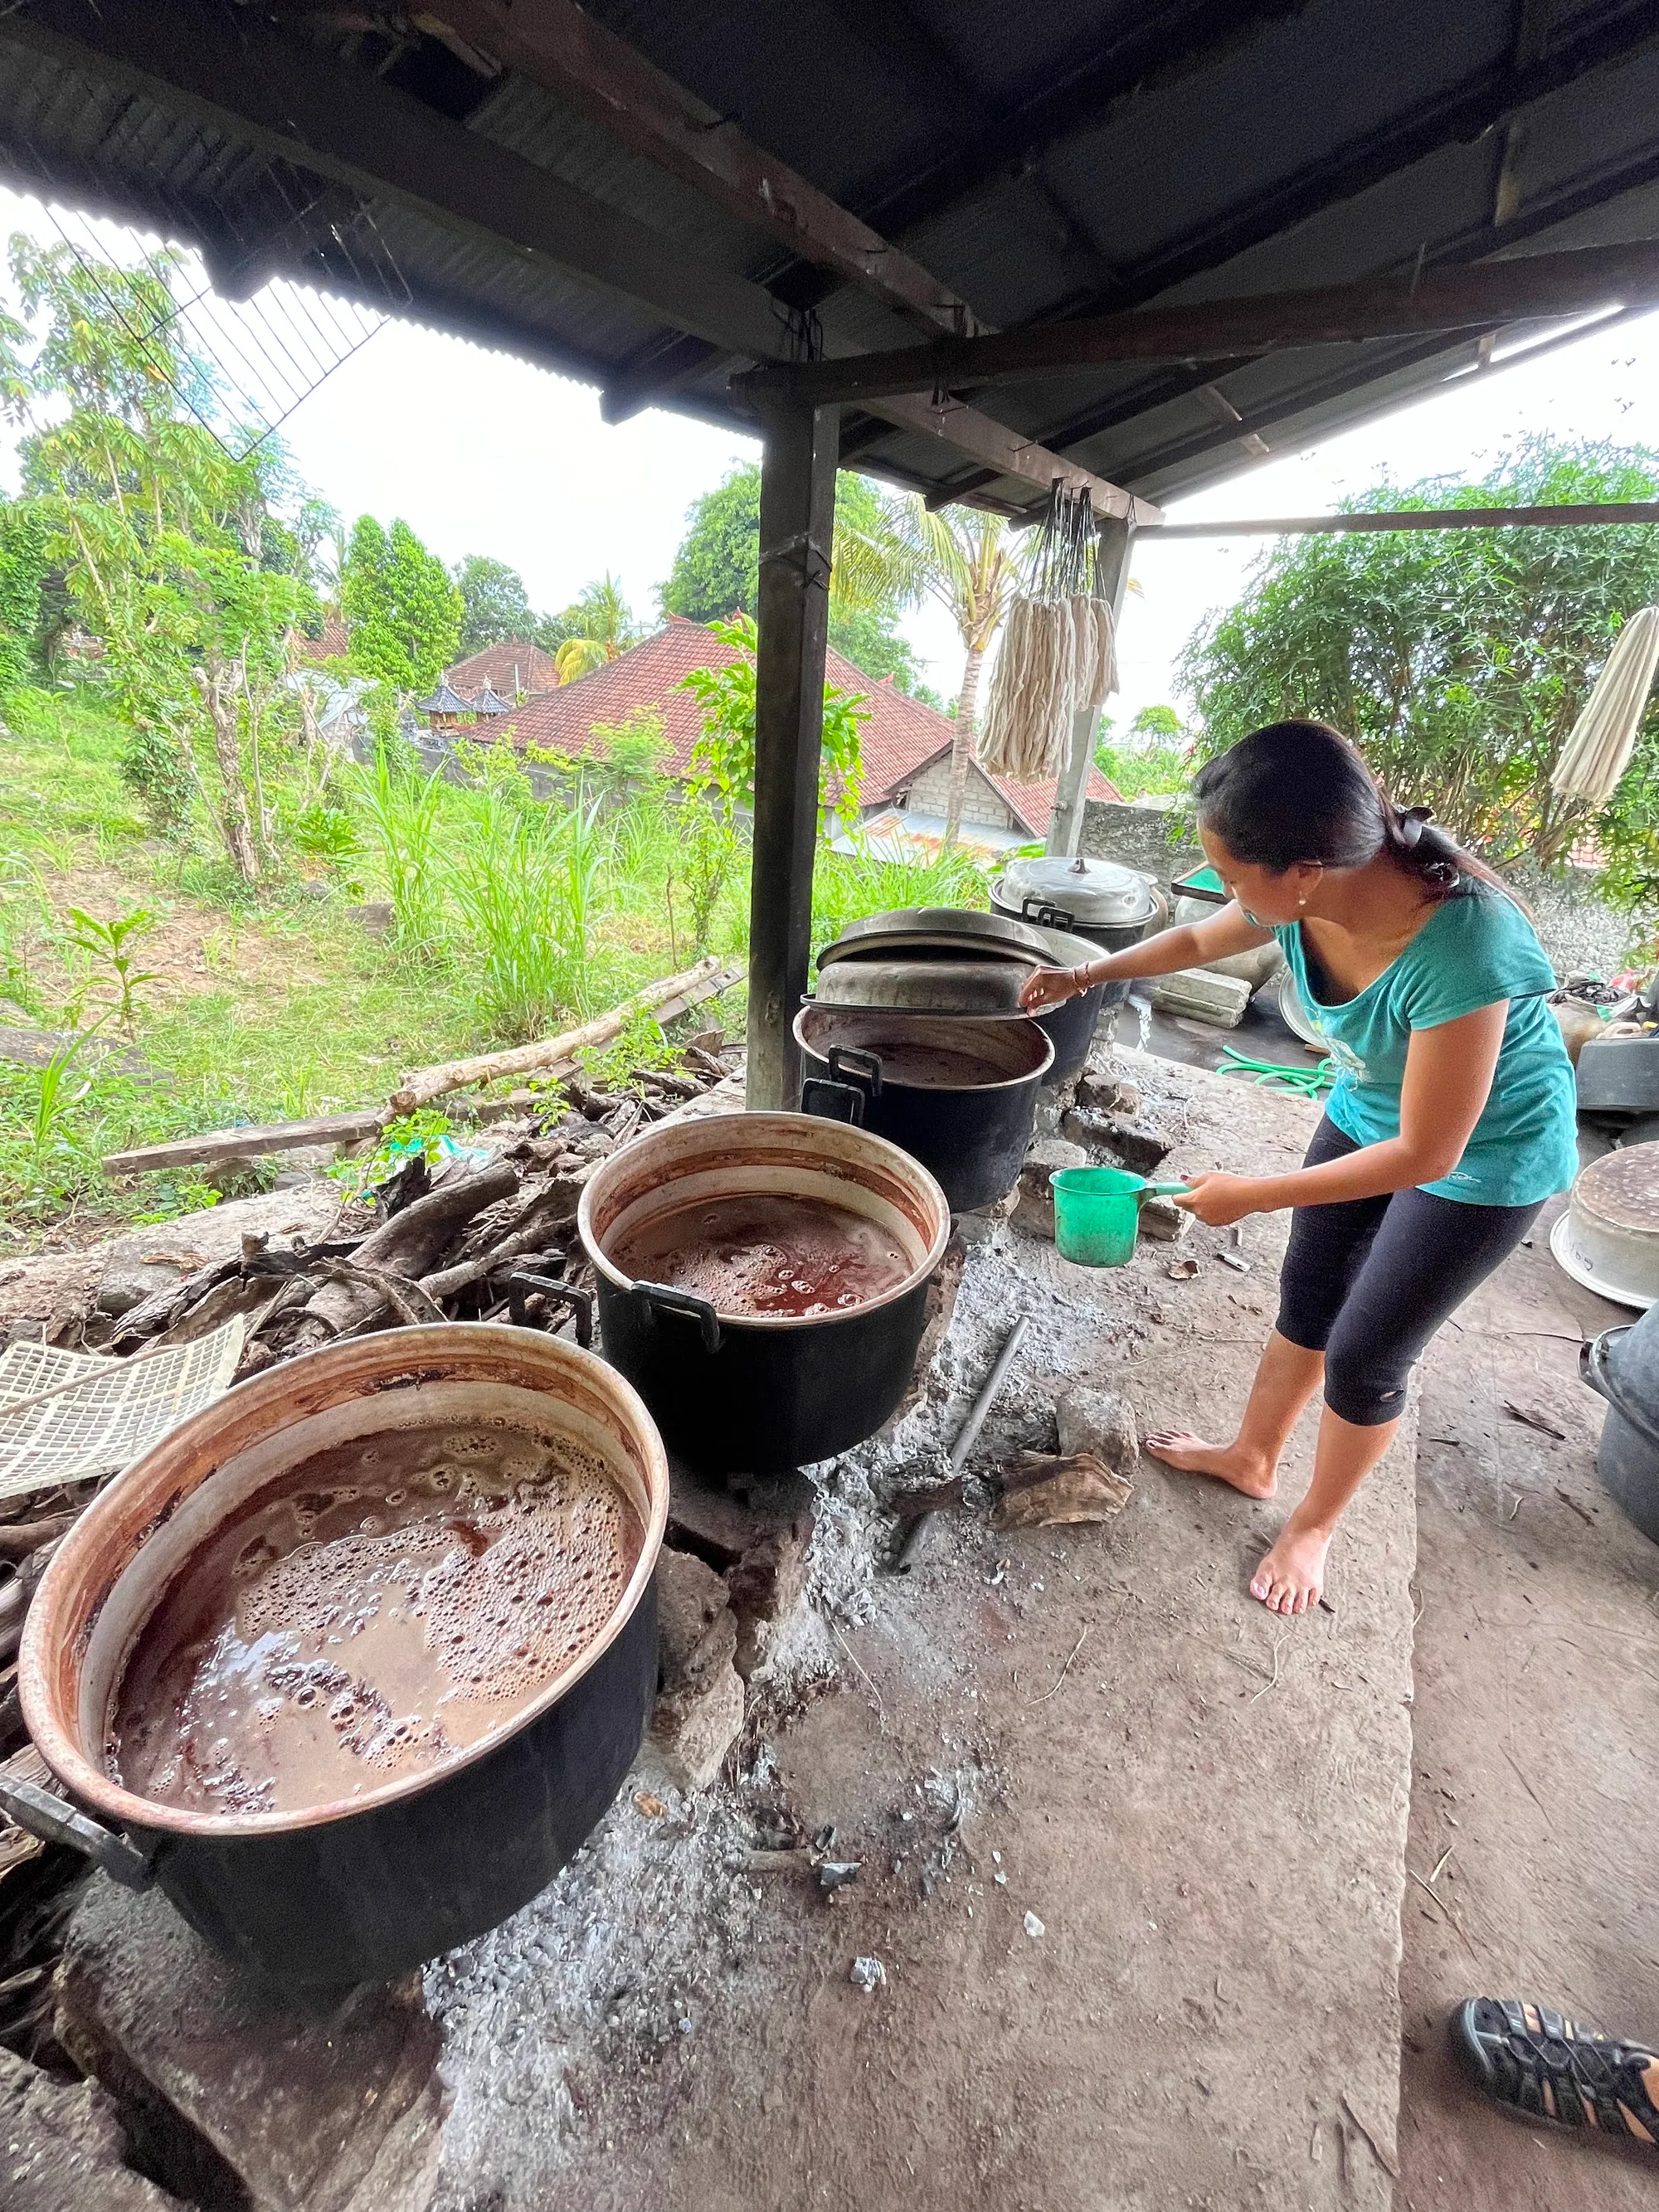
360	1889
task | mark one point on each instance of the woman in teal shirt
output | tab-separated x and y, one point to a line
1452	1120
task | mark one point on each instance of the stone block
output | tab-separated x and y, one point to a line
325	2104
767	1585
695	1727
1164	1220
1034	1207
62	2148
696	1629
1205	996
1100	1091
1140	1144
1102	1422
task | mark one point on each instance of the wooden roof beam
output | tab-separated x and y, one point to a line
558	46
1561	516
1474	297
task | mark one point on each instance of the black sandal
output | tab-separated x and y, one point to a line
1541	2066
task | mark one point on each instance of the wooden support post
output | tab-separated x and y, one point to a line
797	523
1117	543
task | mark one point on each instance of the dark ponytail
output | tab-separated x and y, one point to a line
1300	791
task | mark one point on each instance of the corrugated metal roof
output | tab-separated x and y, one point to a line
1046	162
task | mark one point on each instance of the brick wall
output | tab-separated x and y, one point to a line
929	794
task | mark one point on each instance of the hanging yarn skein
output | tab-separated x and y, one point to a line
1058	651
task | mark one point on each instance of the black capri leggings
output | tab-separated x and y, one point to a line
1368	1281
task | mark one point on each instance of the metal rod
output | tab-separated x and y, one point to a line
966	1437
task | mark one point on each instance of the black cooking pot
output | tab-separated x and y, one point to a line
755	1394
959	1095
362	1889
1070	1026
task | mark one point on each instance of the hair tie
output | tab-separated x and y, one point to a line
1412	824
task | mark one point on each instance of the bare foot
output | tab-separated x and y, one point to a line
1244	1470
1291	1577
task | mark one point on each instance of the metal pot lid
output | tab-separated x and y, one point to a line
982	987
949	924
1066	951
1097	891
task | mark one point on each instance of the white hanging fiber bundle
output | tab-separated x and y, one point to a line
1028	721
1097	665
1603	738
1058	652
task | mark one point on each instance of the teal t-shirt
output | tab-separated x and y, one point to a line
1472	951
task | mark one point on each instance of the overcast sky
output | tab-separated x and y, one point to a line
482	454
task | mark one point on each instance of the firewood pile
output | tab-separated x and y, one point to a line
433	1244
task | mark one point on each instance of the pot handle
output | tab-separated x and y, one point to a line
1594	1368
522	1284
656	1296
56	1822
1047	915
852	1060
832	1101
1593	1360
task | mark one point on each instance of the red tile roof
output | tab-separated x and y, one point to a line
902	736
509	668
332	645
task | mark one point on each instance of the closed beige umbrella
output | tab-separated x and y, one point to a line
1598	752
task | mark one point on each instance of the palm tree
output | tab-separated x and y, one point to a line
961	557
602	627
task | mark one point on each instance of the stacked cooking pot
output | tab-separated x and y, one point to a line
917	1033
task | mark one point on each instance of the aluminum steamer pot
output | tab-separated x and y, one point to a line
960	1096
1622	1366
363	1889
757	1393
1112	906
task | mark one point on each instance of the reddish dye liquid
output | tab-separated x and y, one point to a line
766	1255
381	1609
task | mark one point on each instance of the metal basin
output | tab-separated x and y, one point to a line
1609	1237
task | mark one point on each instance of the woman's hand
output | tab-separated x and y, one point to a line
1218	1201
1050	986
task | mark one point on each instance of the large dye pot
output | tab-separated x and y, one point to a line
959	1095
368	1884
762	1283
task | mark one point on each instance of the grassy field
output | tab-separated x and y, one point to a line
510	918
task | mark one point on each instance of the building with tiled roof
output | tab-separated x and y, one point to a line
510	669
332	645
905	744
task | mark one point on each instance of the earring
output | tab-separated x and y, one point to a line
1302	900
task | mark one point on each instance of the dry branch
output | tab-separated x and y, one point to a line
409	1244
423	1084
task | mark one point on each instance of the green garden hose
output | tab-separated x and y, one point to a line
1271	1075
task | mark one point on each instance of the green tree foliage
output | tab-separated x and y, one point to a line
598	628
24	537
898	552
723	759
176	554
1155	756
403	609
495	605
716	573
1458	659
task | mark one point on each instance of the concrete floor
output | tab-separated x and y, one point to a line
1535	1743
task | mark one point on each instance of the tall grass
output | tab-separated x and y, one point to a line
403	815
847	886
526	887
